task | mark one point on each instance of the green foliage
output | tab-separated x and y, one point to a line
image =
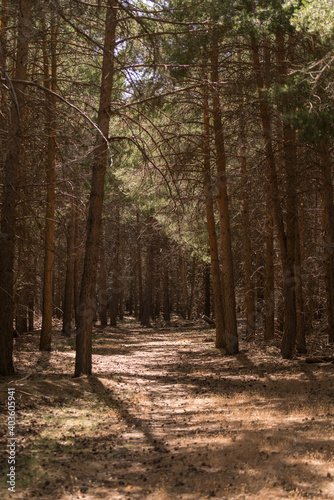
299	105
290	96
314	16
261	19
313	126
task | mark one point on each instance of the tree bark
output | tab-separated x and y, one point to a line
192	288
249	296
83	362
231	331
147	306
286	241
9	199
116	271
290	162
183	284
76	264
21	287
139	268
165	287
4	17
32	291
46	332
269	292
133	298
300	336
122	281
69	280
328	223
207	289
213	245
103	290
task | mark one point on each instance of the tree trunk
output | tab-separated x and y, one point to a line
231	332
45	340
147	306
207	289
32	291
328	218
83	363
133	299
21	287
139	268
249	297
157	293
184	284
290	162
69	280
116	271
269	293
286	242
210	217
165	287
22	314
103	289
300	336
4	17
76	265
122	281
9	198
192	288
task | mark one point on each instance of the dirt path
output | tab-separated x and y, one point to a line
165	416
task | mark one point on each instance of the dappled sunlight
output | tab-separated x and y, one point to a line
165	415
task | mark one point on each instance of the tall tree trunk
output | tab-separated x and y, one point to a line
260	276
46	332
22	311
269	292
116	270
122	281
328	218
9	199
147	306
165	286
249	296
133	299
286	242
139	267
76	264
192	288
32	291
207	288
290	162
213	245
21	286
300	336
69	280
4	17
83	362
157	293
103	290
183	284
231	331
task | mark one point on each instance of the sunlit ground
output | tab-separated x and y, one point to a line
166	416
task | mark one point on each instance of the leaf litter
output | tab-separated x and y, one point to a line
165	416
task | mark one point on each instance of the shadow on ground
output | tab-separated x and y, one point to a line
167	417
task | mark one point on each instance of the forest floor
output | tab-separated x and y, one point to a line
166	417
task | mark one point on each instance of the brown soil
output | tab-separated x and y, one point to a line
167	416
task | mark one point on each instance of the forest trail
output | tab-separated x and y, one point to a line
165	416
